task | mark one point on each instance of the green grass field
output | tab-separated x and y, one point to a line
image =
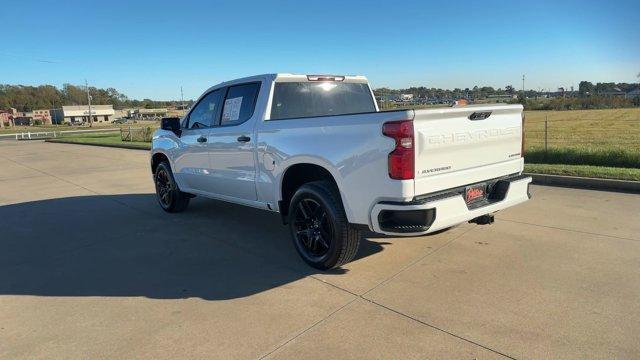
603	172
20	129
111	139
608	128
589	143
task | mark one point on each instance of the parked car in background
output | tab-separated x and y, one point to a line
316	149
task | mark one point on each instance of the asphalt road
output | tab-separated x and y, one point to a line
90	267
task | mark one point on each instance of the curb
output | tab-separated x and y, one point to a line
586	183
130	147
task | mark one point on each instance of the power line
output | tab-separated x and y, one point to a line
23	57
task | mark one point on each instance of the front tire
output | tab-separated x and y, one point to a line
169	196
319	227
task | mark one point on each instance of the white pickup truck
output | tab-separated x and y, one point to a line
316	149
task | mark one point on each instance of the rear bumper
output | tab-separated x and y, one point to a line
441	210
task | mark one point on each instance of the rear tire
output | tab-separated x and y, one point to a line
319	227
169	196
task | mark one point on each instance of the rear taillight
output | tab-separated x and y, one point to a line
402	158
522	141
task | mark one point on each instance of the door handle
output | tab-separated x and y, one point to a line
202	139
244	138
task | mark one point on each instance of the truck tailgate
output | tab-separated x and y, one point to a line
463	145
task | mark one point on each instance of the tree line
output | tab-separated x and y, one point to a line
29	98
588	88
423	92
580	102
587	96
585	88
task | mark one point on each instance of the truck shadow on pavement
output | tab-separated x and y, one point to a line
125	245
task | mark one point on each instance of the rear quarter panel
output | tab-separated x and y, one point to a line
351	147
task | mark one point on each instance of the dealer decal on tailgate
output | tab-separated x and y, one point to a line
473	193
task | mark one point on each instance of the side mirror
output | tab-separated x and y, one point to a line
171	124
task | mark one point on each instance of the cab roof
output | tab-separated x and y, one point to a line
284	77
287	77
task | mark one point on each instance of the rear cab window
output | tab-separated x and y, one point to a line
239	103
320	98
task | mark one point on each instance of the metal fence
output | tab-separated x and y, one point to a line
139	134
586	137
557	131
35	135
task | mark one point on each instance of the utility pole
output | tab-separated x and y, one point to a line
523	95
89	102
181	98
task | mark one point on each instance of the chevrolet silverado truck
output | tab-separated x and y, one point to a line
317	149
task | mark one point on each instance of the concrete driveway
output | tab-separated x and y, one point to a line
90	267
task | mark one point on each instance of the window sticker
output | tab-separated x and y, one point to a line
232	109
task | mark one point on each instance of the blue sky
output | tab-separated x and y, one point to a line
148	49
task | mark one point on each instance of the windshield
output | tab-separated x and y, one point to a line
310	99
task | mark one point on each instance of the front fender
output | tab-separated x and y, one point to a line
167	144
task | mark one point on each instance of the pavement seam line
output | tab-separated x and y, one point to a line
437	328
413	263
93	155
23	177
332	285
309	328
386	308
390	309
570	230
389	278
53	176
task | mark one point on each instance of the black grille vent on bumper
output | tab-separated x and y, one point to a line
406	221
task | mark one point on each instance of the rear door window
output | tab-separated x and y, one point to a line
310	99
239	103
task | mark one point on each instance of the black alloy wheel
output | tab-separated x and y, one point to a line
169	196
163	187
321	233
313	230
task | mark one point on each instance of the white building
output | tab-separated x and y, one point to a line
406	97
80	114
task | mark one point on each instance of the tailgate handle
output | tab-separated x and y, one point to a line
480	115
